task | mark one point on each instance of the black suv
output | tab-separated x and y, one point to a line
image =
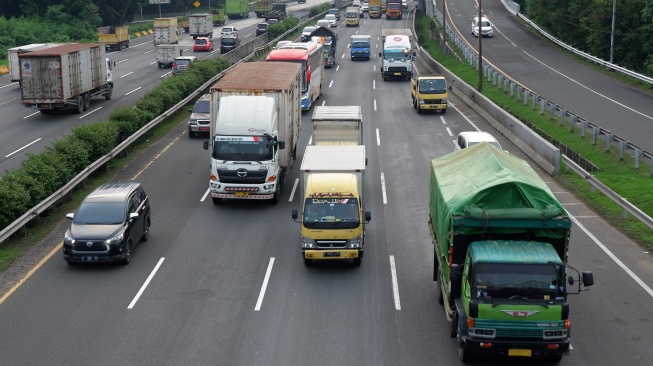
261	28
335	12
108	224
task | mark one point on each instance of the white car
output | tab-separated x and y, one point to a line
228	31
486	27
323	23
306	33
333	22
365	7
469	138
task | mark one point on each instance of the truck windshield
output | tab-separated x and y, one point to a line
351	15
394	6
242	148
503	280
436	86
326	49
396	56
359	44
331	213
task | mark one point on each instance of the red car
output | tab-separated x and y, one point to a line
203	44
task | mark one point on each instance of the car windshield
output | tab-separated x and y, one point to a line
202	106
262	26
309	30
228	41
242	148
227	30
331	213
100	213
182	62
330	17
200	42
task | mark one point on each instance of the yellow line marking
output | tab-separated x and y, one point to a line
31	272
158	155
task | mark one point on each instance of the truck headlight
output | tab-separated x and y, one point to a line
356	242
444	101
555	334
307	243
483	333
421	102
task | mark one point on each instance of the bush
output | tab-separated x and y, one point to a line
38	167
100	138
31	185
73	152
14	201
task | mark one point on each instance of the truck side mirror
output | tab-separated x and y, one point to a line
588	278
449	87
413	58
206	145
365	161
190	110
454	272
368	216
282	145
380	54
295	214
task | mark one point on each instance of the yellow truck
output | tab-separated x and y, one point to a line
429	93
333	215
114	37
352	16
375	8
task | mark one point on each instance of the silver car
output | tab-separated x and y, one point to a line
181	63
200	118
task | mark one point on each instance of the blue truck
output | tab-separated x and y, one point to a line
360	47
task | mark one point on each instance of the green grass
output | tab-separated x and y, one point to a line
16	246
636	185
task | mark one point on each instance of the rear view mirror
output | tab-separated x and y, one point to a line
206	145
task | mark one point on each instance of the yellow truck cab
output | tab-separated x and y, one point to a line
352	16
429	93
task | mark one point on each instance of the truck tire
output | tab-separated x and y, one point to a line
440	296
107	96
308	262
419	111
464	354
436	266
357	261
45	111
87	101
80	104
159	65
444	111
216	200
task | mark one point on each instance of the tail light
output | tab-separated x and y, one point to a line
174	65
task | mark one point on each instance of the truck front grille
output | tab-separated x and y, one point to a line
397	68
326	244
252	176
433	101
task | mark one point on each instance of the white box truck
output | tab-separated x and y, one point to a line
200	25
12	56
166	54
255	125
333	215
337	125
166	31
65	77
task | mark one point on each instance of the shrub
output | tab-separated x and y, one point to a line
38	167
14	201
73	151
100	138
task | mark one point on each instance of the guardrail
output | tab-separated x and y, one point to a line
555	111
626	207
66	190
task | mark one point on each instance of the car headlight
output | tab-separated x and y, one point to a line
67	239
116	239
192	122
307	243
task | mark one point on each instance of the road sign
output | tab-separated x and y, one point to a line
197	4
154	2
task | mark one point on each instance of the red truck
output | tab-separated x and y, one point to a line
393	9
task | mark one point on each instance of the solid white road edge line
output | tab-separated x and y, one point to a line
395	284
95	110
147	282
205	194
265	285
134	90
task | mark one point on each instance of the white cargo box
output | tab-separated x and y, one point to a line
323	159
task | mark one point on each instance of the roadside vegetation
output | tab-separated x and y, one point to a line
636	185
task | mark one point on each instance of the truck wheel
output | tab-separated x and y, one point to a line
80	104
275	197
444	111
419	111
464	354
107	96
308	262
87	101
357	261
159	65
440	296
454	326
45	111
414	104
216	200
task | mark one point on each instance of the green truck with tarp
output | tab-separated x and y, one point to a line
237	9
501	240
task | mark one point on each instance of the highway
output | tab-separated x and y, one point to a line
624	110
27	131
226	285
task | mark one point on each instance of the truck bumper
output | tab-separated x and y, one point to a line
359	55
333	254
254	192
397	74
432	107
512	349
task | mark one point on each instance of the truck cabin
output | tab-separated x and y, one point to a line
432	86
360	42
331	213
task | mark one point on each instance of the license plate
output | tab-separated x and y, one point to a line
203	128
242	194
89	258
398	73
519	352
332	254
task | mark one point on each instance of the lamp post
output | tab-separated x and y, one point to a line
480	48
444	28
614	13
